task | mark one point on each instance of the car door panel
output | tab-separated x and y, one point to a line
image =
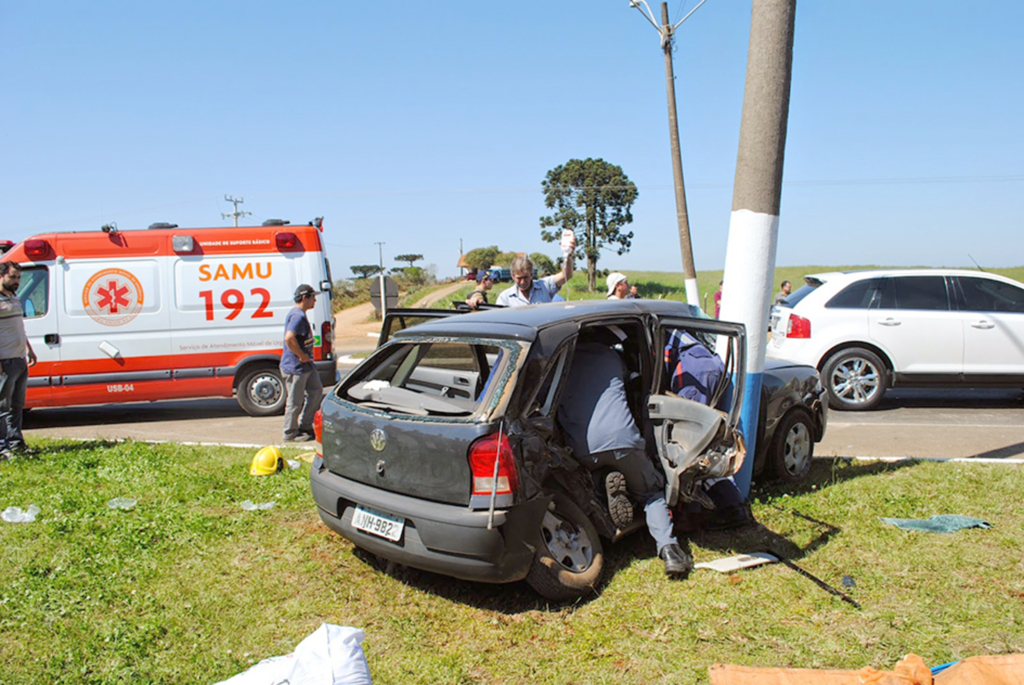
992	313
916	328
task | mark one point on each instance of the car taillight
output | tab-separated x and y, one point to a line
326	339
318	426
799	327
482	455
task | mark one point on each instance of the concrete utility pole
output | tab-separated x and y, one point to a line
237	213
757	195
667	31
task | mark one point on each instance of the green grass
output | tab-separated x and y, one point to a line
188	587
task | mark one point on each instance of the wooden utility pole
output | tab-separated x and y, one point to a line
682	217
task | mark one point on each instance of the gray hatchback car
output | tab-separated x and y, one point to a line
442	450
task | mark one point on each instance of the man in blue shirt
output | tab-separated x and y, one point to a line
528	291
303	389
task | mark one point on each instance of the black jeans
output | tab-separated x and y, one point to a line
12	402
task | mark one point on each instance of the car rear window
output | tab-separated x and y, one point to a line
449	378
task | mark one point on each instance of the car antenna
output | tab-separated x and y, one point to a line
976	263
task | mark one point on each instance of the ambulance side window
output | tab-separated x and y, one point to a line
34	291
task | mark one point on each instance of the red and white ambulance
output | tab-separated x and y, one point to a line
169	313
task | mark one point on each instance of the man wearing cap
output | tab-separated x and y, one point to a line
529	291
303	389
479	294
618	286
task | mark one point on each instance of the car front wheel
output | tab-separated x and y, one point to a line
792	448
856	379
569	561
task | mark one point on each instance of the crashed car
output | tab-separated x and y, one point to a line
793	409
442	451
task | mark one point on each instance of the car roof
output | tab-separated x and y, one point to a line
523	323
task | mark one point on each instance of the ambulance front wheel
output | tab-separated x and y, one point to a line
261	391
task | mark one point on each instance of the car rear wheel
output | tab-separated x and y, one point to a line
792	448
856	379
261	391
570	560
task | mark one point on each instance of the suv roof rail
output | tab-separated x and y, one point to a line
162	224
276	222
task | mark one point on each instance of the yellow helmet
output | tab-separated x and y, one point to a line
267	461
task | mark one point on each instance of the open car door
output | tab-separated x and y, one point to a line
696	431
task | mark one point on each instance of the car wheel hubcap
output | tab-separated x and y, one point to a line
570	547
265	390
798	448
855	380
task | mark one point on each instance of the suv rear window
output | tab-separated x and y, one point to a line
799	294
921	292
860	295
432	378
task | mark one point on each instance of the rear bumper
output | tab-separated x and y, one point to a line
441	538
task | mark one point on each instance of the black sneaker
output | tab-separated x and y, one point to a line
619	506
298	437
678	562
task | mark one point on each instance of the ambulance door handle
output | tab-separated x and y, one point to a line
51	338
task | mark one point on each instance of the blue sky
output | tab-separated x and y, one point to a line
422	124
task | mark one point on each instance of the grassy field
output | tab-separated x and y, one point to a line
188	587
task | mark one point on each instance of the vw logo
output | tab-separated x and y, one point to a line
378	440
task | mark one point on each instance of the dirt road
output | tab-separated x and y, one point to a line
355	329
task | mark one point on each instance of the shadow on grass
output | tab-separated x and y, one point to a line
517	598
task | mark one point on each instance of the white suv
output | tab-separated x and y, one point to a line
867	331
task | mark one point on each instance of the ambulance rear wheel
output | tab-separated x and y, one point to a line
261	391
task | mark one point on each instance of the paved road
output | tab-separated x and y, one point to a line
932	423
911	423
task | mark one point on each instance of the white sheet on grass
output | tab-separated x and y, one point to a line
331	655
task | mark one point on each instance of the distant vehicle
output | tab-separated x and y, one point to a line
868	331
471	275
441	450
500	275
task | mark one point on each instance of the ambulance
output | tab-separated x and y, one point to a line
169	312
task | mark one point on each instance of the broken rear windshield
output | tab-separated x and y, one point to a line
436	377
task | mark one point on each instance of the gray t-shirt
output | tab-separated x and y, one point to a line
593	410
13	343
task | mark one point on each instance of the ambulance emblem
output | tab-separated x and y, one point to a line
113	297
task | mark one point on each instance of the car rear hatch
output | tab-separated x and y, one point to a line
407	418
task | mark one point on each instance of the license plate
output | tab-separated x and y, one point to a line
378	523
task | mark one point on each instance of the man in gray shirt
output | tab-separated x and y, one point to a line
14	346
595	418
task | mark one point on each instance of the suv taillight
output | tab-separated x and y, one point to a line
799	327
326	339
482	455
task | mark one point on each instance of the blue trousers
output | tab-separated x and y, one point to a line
646	484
